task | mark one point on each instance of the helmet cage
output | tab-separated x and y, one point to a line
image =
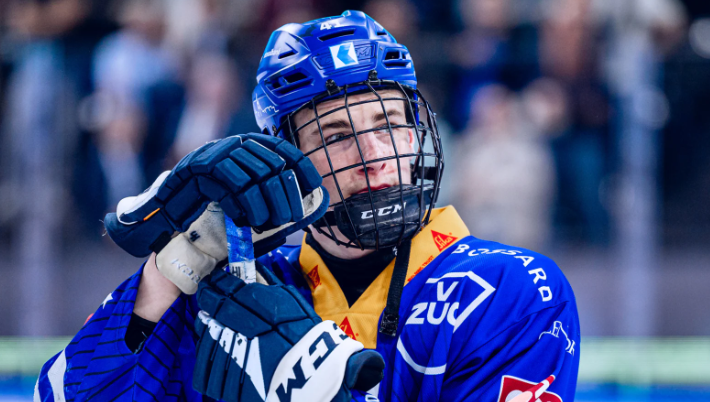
400	222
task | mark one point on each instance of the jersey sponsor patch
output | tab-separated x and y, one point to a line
347	328
441	240
314	277
512	387
447	309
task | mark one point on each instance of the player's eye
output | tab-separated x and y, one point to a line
382	130
336	137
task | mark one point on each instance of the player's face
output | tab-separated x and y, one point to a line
373	146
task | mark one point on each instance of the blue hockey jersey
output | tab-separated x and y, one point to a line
479	320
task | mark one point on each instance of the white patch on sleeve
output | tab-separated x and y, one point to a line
56	377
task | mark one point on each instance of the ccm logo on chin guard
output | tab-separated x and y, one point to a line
384	211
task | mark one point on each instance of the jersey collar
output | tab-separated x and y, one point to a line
360	320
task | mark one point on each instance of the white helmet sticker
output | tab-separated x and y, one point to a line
344	55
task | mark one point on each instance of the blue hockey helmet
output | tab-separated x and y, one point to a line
300	60
336	57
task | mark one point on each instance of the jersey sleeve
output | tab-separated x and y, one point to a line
97	365
520	357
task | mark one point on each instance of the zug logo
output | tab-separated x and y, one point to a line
444	310
384	211
308	363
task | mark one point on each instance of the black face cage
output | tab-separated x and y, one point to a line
407	207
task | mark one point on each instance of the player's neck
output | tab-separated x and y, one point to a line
347	253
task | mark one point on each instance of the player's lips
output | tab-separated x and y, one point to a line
374	188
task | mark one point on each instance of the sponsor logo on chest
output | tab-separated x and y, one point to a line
447	309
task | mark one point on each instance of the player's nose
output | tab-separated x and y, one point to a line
373	150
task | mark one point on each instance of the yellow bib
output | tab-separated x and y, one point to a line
360	321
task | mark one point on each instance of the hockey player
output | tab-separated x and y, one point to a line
385	294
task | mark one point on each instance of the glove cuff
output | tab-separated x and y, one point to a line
192	255
184	264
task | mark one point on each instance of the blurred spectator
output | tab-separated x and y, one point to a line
193	25
127	64
46	19
404	19
51	45
546	105
282	12
214	95
504	172
397	16
685	143
489	49
570	52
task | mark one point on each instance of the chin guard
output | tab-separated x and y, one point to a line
392	215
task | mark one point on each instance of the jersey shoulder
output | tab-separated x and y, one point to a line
483	301
508	268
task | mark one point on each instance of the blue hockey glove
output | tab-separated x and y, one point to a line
258	180
265	343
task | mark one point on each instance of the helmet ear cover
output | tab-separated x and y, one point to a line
383	218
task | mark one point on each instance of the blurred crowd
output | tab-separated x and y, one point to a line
98	97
